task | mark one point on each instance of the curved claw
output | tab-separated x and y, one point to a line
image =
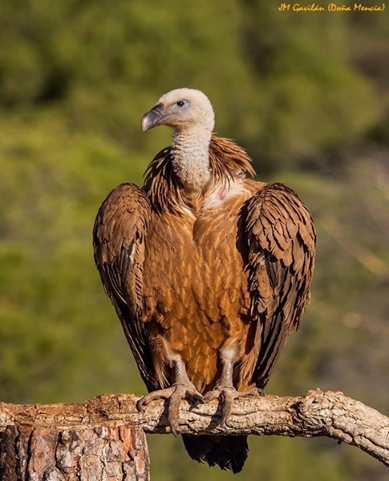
227	397
257	391
153	396
196	400
139	405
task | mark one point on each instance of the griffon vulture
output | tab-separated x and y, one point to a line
208	271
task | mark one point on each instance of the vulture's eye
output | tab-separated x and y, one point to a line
181	103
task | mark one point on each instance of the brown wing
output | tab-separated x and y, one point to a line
119	244
281	257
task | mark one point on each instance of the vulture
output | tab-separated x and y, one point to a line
209	271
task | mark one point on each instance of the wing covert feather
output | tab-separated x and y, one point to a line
119	235
282	239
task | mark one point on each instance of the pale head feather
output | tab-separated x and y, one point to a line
196	109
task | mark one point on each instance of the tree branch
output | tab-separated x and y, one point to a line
317	413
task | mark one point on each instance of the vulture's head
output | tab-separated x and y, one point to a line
182	109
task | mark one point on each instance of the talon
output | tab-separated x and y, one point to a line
227	397
173	430
153	396
258	391
139	405
198	399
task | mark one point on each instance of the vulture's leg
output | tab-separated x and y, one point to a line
224	389
182	388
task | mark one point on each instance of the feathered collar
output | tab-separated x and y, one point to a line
227	160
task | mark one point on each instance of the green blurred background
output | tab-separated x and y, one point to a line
306	94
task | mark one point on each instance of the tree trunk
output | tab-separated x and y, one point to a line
29	453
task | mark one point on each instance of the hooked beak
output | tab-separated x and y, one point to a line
152	118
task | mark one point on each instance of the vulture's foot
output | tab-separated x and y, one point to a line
174	394
227	395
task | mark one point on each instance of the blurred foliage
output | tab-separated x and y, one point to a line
306	94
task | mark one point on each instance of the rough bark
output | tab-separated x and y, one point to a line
109	431
35	452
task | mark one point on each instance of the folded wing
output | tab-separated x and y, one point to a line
281	252
119	248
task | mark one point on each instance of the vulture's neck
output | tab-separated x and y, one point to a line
191	157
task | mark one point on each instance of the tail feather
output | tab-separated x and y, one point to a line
227	452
